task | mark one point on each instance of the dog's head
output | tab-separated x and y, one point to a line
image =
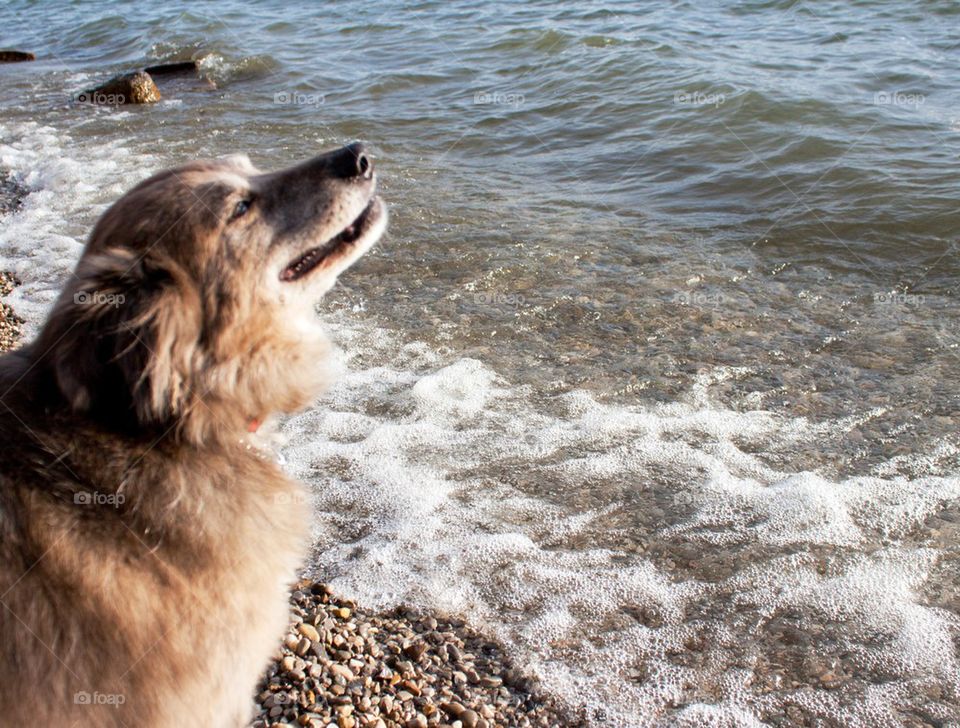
193	304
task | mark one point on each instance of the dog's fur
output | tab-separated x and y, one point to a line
146	547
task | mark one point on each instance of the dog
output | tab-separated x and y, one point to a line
147	545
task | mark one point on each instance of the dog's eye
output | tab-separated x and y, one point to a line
241	209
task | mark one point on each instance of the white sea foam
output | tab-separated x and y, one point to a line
70	185
440	483
444	526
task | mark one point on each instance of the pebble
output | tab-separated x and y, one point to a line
415	650
343	671
309	631
454	709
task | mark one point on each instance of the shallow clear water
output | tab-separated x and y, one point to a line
655	374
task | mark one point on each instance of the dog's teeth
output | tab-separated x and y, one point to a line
313	258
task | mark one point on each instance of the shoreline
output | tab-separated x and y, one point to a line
342	666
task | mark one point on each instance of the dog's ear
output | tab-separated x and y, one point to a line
121	339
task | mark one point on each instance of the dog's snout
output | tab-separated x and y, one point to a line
353	161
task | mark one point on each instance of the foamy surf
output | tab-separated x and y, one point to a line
420	469
651	563
69	185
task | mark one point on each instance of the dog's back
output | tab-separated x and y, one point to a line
139	605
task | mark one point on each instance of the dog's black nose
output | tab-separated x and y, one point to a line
352	161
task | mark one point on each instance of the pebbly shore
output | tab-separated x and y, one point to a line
345	667
9	322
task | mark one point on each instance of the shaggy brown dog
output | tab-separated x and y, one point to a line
146	546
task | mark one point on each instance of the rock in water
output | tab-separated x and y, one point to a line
169	69
128	88
180	77
16	56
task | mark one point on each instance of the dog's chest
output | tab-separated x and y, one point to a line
242	599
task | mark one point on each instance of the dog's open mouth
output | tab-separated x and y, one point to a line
308	261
